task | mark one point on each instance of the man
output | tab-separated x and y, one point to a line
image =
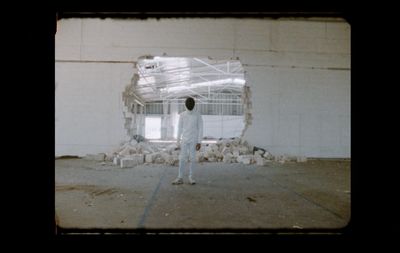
190	128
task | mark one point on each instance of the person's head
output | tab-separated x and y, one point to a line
189	103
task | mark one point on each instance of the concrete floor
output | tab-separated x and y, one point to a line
315	194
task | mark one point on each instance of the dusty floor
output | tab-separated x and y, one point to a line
315	194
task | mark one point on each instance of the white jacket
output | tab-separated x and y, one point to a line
190	126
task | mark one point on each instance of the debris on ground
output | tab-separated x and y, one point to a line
228	150
285	158
301	159
138	138
251	199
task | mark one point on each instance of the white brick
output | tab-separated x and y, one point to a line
228	158
109	157
245	159
260	161
139	158
226	150
301	159
268	156
117	160
159	159
149	158
128	162
132	160
199	157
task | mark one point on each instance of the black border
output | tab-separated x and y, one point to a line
40	33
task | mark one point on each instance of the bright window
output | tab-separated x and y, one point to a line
153	128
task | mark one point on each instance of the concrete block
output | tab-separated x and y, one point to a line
212	159
128	162
245	159
125	151
169	159
208	148
260	161
228	158
209	154
165	156
214	147
301	159
133	142
235	142
109	157
218	155
199	157
149	158
225	150
175	158
257	155
171	148
159	159
268	156
139	158
117	160
132	160
243	150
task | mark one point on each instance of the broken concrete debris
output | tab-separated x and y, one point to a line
233	150
301	159
138	138
132	160
117	160
251	199
285	158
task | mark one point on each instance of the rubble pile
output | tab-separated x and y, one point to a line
133	153
233	150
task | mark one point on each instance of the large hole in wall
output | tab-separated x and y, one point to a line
160	85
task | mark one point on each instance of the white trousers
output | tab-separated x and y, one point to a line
188	150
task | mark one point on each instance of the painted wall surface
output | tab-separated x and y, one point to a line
298	72
226	126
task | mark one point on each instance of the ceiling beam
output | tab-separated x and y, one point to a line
211	66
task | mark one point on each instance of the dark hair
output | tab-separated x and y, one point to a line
189	103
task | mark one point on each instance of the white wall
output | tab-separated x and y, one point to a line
225	126
88	107
298	71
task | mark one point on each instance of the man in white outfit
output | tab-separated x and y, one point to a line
190	128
